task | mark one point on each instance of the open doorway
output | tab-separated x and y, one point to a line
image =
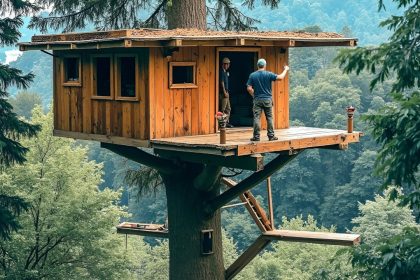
242	63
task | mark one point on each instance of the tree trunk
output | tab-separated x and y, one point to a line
187	14
186	223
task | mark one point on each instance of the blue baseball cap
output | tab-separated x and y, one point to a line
261	62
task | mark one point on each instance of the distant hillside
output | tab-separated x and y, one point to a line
361	16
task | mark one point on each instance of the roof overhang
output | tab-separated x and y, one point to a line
182	38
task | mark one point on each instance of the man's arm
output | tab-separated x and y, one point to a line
250	90
225	93
283	74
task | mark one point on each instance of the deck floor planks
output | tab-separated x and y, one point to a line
238	140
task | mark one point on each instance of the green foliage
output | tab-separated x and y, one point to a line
11	127
112	14
391	248
401	55
24	102
40	65
68	231
381	219
397	258
10	208
341	205
395	127
288	260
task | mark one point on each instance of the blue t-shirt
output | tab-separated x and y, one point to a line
261	83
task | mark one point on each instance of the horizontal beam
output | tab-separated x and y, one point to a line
200	149
252	162
328	238
103	138
153	230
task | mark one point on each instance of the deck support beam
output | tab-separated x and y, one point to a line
246	257
162	165
254	162
212	205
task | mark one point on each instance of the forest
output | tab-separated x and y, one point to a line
63	198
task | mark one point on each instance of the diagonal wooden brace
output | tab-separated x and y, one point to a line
212	205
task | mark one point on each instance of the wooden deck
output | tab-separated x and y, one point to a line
238	141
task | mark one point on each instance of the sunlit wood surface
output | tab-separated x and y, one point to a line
238	141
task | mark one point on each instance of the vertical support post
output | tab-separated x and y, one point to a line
222	120
270	202
222	135
350	113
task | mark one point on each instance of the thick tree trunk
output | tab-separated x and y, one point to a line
187	14
186	223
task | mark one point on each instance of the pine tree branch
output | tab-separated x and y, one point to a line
153	16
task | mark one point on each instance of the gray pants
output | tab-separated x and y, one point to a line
259	106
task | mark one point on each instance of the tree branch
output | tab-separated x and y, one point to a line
135	154
154	14
212	205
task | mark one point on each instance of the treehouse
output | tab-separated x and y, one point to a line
159	88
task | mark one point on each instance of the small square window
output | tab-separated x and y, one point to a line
182	75
102	77
72	69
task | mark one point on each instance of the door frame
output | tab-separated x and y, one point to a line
230	49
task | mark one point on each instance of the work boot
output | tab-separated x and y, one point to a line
272	138
255	139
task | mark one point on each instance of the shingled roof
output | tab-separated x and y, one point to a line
184	37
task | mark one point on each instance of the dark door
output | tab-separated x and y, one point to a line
241	65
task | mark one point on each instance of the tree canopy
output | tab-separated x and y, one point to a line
11	127
396	127
113	14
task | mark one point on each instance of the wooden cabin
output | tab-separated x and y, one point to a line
145	87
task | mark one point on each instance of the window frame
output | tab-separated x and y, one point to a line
67	83
111	77
185	85
117	80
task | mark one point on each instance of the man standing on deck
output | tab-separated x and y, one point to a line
259	87
224	102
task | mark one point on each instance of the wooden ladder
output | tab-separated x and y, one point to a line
269	234
257	213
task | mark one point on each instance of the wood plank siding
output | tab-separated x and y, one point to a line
182	111
76	109
159	110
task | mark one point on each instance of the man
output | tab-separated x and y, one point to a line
259	87
224	103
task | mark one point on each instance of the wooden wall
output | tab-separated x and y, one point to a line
180	112
160	111
76	111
